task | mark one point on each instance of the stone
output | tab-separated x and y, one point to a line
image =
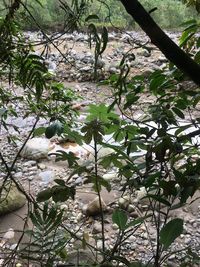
79	217
36	148
47	176
79	181
115	226
41	166
18	175
134	214
100	63
85	257
124	202
11	199
131	208
97	228
30	163
113	70
9	234
93	207
110	176
102	152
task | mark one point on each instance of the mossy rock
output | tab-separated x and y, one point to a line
11	199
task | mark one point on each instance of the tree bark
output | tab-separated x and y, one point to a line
171	51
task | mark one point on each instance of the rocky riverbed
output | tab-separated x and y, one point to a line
36	168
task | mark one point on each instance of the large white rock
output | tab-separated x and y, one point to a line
36	148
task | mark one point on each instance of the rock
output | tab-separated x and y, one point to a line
79	217
9	234
131	208
124	202
93	207
11	199
18	175
85	257
143	52
134	214
86	69
41	166
140	196
100	63
112	70
36	148
29	163
102	152
47	177
110	176
115	226
79	181
97	228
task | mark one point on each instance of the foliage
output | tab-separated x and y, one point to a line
155	154
47	239
52	14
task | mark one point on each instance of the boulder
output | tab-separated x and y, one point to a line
36	148
93	207
79	257
11	199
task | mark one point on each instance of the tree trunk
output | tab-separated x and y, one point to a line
172	51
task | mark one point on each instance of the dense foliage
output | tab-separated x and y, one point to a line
169	13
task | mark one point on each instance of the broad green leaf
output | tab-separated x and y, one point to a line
120	218
170	232
51	131
44	195
39	131
91	17
178	112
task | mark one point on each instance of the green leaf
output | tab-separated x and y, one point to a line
44	195
170	232
62	193
158	199
51	131
136	222
178	112
62	156
104	39
91	17
39	131
120	218
59	182
197	57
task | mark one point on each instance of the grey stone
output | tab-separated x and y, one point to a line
97	228
124	202
11	199
79	181
47	177
29	163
